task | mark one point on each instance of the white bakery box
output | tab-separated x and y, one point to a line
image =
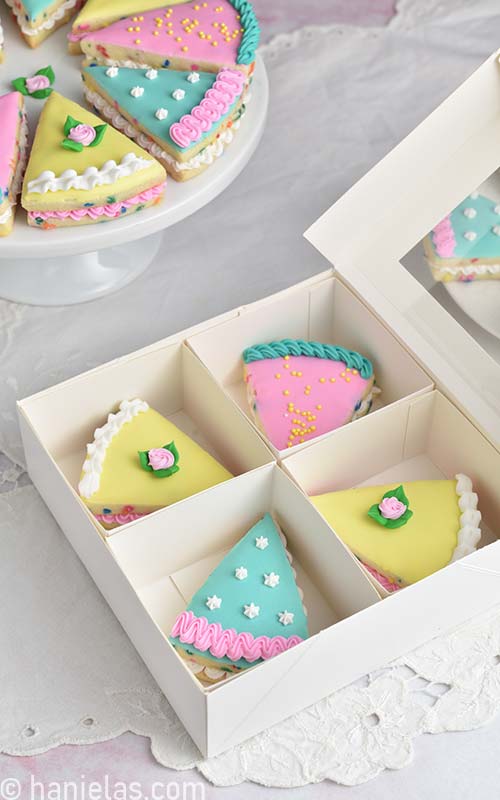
438	414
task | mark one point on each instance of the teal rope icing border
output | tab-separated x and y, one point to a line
251	34
298	347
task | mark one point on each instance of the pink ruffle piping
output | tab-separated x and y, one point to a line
221	642
110	210
388	585
118	519
443	238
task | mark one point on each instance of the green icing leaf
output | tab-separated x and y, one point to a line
48	72
391	524
19	85
69	144
100	130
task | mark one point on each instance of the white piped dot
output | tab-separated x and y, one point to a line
179	94
470	236
193	77
470	213
161	113
151	74
137	91
112	72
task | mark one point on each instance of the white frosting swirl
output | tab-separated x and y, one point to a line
96	451
470	533
47	24
110	172
206	157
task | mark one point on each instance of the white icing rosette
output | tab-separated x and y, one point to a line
470	533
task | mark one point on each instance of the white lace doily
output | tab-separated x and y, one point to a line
344	96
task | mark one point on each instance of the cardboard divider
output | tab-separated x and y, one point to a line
327	312
172	381
167	556
426	438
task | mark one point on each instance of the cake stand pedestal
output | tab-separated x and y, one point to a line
75	265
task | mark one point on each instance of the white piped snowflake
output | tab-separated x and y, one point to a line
178	94
286	617
213	602
193	77
261	542
241	573
271	579
112	72
251	611
470	236
137	91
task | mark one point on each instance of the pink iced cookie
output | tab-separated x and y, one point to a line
299	390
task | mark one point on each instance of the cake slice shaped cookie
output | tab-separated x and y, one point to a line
193	36
248	610
405	533
13	154
37	19
298	390
185	119
82	171
138	462
465	246
98	14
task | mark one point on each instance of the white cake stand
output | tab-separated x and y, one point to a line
74	265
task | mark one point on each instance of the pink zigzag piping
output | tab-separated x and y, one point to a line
109	210
220	642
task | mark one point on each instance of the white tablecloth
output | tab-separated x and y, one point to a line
341	98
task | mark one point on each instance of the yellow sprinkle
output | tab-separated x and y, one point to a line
297	410
286	366
348	369
355	372
169	24
156	33
141	19
137	28
312	428
302	440
308	386
204	5
215	24
178	38
228	39
286	392
196	7
170	33
287	358
130	30
319	406
304	413
137	41
332	380
278	375
347	380
185	21
322	380
184	49
289	444
342	374
215	44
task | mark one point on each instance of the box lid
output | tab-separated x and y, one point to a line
366	234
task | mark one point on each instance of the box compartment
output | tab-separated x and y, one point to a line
173	381
325	311
426	438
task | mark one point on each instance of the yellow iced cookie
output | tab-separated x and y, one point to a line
408	532
139	462
82	170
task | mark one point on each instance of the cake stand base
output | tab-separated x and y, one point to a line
67	280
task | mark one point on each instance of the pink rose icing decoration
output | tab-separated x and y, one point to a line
36	83
392	508
83	134
160	458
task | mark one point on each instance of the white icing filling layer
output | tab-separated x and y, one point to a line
17	180
470	533
476	269
205	157
96	451
47	24
109	173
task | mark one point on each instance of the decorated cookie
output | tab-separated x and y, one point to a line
198	36
13	153
404	533
99	13
37	19
185	119
247	611
82	171
139	462
298	390
465	246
